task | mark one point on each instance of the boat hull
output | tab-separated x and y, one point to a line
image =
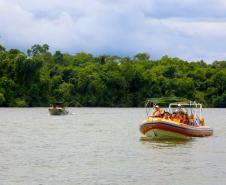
58	112
163	134
160	128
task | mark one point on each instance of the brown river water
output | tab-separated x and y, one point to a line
103	146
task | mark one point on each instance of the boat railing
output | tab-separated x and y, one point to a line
195	108
189	107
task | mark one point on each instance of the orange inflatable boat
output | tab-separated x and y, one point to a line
181	121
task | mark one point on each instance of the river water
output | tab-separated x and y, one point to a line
102	146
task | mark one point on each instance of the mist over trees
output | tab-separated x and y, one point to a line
39	77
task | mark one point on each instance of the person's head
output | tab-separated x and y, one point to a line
166	114
156	107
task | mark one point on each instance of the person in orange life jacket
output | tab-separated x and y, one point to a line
166	115
183	118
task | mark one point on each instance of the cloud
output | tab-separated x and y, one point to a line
188	29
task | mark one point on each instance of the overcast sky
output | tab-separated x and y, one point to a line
189	29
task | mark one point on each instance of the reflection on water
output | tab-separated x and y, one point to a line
156	143
102	146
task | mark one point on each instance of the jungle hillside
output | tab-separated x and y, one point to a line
39	77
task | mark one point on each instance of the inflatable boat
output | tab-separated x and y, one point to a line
160	128
170	125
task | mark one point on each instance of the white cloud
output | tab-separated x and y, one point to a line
191	29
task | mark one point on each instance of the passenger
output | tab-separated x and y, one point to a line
191	119
180	109
157	111
177	117
181	117
202	121
197	122
173	115
166	115
186	121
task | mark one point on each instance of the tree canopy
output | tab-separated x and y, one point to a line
40	77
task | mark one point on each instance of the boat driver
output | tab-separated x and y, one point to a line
157	111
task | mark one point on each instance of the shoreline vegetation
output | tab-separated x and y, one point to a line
39	77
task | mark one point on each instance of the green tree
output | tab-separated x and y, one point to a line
2	99
38	49
2	48
141	57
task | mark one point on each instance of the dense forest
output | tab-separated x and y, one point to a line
40	77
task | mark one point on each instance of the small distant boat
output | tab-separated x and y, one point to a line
58	109
175	124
